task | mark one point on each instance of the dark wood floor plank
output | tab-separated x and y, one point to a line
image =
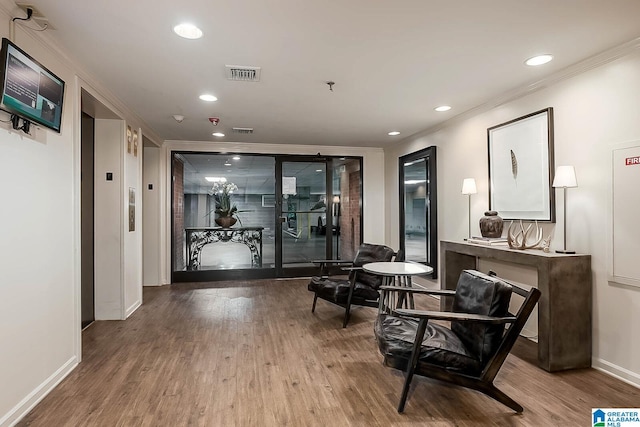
253	354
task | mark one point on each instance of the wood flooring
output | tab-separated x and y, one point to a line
253	354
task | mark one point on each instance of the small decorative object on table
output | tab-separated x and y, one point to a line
225	221
519	239
491	225
491	241
222	192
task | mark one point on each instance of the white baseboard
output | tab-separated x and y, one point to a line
33	398
616	371
133	308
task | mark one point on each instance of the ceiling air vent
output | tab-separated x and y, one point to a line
242	73
244	131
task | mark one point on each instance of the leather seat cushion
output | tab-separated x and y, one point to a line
478	293
338	290
440	346
367	253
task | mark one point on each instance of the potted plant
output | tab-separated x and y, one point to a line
225	209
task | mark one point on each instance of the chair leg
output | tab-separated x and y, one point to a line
497	394
413	362
405	391
346	315
315	298
352	285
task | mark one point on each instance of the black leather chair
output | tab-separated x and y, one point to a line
470	352
360	288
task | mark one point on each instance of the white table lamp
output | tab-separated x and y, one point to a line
565	178
469	188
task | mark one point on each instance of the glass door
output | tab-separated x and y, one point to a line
418	207
302	216
208	188
288	212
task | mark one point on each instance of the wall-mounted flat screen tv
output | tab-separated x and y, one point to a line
30	90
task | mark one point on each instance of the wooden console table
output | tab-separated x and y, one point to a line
564	308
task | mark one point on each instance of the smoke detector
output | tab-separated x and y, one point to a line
243	73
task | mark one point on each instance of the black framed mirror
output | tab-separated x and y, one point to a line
419	208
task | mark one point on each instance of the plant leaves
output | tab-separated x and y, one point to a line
514	165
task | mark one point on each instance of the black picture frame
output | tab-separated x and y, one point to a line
521	168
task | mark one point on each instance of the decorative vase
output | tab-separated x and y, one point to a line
491	224
226	221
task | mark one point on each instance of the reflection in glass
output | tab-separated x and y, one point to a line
304	212
319	204
194	175
418	211
415	210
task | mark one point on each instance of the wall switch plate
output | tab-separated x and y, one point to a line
150	186
109	176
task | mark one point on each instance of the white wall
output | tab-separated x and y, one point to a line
373	182
40	339
151	216
108	219
39	320
118	251
132	240
593	111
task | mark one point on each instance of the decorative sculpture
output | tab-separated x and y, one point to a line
519	239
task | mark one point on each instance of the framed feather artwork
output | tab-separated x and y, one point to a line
521	167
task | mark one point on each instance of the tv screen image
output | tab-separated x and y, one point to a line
29	89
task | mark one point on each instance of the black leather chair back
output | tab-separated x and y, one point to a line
479	293
371	253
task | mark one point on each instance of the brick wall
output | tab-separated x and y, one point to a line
350	190
178	215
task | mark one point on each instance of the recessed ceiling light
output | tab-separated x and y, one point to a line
318	170
394	133
443	108
539	60
188	31
215	178
208	97
227	163
236	157
218	134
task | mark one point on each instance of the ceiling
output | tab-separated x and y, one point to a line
392	62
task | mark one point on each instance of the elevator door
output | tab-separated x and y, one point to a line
87	307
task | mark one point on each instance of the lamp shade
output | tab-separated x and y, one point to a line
565	177
469	186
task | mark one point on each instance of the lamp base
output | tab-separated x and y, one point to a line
564	251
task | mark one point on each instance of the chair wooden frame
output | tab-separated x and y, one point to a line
484	381
324	264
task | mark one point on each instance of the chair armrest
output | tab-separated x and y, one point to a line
419	290
351	269
331	261
459	317
325	263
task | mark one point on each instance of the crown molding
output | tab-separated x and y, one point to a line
51	43
590	63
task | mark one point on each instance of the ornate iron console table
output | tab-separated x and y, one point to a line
198	237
